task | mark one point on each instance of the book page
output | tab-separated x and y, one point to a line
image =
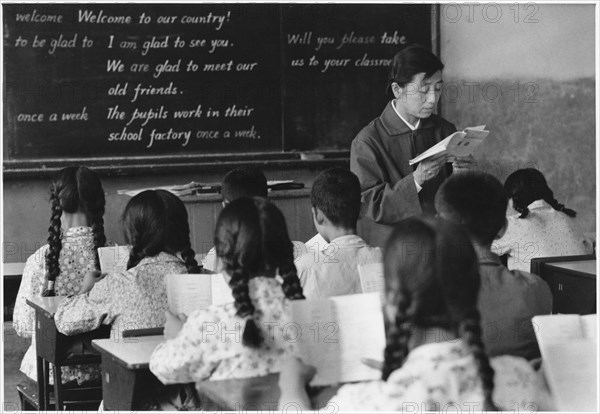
570	369
371	278
589	326
188	292
556	328
221	292
464	145
113	259
436	149
334	337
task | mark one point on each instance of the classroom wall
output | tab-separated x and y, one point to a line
528	72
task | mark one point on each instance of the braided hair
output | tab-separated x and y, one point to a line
156	221
432	281
74	189
528	185
251	240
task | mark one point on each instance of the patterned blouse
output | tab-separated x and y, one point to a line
545	232
77	256
210	342
443	376
133	299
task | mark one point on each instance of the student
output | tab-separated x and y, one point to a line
541	226
508	299
155	223
434	359
57	268
244	338
237	183
331	269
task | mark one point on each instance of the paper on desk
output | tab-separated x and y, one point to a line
570	369
179	189
189	292
568	345
334	337
113	259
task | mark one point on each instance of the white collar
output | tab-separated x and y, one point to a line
408	124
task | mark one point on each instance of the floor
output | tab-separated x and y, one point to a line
14	349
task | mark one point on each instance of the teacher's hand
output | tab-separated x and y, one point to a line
429	168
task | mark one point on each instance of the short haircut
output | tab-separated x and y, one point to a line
336	192
476	200
408	62
244	182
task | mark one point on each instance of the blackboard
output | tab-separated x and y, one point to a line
108	80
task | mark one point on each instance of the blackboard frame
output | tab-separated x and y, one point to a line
159	164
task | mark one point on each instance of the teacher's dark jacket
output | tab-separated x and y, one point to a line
379	157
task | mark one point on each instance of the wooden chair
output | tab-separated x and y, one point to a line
80	398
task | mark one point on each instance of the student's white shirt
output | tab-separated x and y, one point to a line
212	263
444	377
545	232
332	269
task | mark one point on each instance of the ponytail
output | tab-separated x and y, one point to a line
252	336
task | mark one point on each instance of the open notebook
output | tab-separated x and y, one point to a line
189	292
569	345
459	144
336	333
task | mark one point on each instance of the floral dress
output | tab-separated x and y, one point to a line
77	256
440	377
132	299
209	344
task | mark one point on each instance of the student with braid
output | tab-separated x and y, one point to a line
244	338
156	226
434	359
57	268
538	225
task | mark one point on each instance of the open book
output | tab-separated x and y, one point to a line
371	278
459	144
568	344
189	292
333	336
113	259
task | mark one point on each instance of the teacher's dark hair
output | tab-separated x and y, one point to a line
408	62
528	185
74	189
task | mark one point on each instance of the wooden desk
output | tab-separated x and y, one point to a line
203	211
572	280
251	394
126	377
13	269
52	347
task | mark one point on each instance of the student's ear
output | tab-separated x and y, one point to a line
318	216
503	229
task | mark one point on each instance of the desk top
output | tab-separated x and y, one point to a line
133	353
583	266
46	304
257	393
13	269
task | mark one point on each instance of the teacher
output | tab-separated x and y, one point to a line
392	189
